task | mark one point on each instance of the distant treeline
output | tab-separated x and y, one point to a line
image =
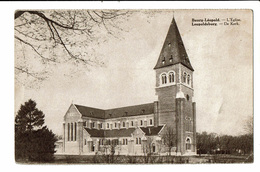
211	143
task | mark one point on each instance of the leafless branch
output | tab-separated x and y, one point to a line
29	73
27	35
27	43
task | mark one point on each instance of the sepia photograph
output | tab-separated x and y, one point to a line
133	86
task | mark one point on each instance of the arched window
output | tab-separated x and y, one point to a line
188	97
188	79
153	147
171	77
188	143
75	124
184	77
71	125
68	131
93	148
164	78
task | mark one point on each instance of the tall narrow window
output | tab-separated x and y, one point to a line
151	122
188	79
164	79
171	77
71	131
140	141
126	141
93	147
101	125
188	144
107	125
184	77
75	131
141	122
132	123
153	147
188	97
115	124
68	131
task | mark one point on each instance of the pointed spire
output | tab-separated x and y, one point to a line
173	50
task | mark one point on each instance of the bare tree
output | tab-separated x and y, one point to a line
45	38
169	139
108	152
249	125
147	149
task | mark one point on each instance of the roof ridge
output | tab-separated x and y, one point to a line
89	107
128	106
111	108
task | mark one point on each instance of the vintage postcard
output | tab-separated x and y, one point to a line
134	86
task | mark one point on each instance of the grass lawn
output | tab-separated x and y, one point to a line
122	159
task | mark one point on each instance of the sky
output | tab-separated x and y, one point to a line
220	55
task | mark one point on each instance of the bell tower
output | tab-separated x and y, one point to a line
174	88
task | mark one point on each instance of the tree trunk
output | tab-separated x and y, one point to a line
170	149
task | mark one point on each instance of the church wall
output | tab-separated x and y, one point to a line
136	120
71	145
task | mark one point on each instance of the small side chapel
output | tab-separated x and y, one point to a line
129	130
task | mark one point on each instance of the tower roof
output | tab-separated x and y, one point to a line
173	50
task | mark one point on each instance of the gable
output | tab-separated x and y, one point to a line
138	132
72	113
151	131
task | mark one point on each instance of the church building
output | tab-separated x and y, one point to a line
144	128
